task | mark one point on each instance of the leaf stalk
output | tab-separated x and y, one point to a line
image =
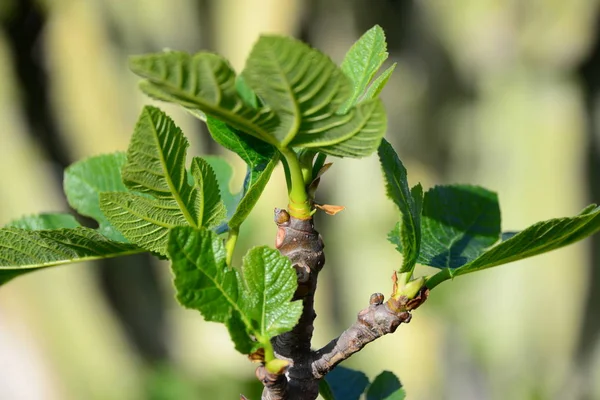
299	204
230	244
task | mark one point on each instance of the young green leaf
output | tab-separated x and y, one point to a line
408	201
44	221
362	62
246	93
144	221
346	383
205	283
260	158
539	238
85	179
386	386
379	83
298	114
205	82
202	279
255	153
155	168
261	302
303	85
156	162
224	173
459	223
270	283
358	138
305	89
209	207
24	250
252	193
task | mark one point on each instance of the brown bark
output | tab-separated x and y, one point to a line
302	244
373	322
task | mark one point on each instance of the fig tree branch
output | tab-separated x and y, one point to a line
302	244
378	319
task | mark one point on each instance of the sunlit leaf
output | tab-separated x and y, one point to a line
408	201
155	168
209	207
205	82
260	158
461	232
260	303
379	83
362	62
459	223
539	238
305	89
85	179
23	250
270	283
144	221
224	173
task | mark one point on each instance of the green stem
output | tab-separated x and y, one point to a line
436	279
299	205
269	353
230	244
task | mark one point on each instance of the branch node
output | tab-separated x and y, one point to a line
376	299
269	379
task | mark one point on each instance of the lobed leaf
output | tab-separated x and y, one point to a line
260	158
252	193
408	201
259	305
362	62
204	82
303	86
23	250
270	283
358	137
461	232
539	238
145	222
155	168
224	173
209	207
156	163
301	96
459	223
202	279
85	179
305	89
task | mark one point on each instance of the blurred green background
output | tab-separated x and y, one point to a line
498	93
